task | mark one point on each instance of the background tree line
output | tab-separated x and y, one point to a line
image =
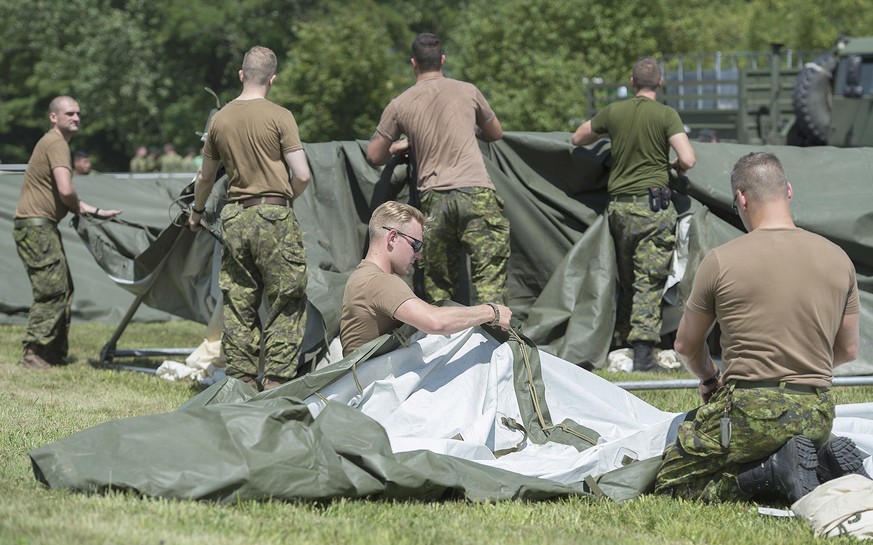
139	67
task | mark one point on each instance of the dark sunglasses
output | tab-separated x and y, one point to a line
414	242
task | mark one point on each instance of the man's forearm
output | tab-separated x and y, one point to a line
202	190
460	318
378	150
72	202
298	186
451	319
584	135
699	364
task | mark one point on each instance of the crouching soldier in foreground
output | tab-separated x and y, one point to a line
787	304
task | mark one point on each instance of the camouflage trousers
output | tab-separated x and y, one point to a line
644	242
467	219
697	466
42	253
263	258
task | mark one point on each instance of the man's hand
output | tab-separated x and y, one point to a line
677	166
103	213
194	221
85	208
399	148
706	392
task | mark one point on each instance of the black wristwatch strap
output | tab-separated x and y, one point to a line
196	211
712	380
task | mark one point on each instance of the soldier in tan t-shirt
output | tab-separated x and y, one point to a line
787	304
442	118
47	194
377	300
263	255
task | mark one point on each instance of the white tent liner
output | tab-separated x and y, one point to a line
448	394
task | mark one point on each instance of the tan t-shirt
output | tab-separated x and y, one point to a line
251	138
439	116
779	296
369	302
39	196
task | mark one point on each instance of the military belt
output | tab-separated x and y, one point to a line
33	222
470	189
774	385
644	198
255	201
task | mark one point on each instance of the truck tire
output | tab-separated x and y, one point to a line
813	94
795	138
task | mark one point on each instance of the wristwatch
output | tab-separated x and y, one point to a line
496	310
712	380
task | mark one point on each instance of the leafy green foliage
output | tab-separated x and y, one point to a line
806	24
138	67
551	45
107	65
342	71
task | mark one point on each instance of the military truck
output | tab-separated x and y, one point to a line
833	99
774	97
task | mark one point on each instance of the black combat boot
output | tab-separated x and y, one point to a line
839	456
788	473
643	357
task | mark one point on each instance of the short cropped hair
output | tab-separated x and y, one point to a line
259	65
761	176
59	103
427	50
395	215
646	74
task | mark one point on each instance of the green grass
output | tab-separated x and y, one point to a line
38	408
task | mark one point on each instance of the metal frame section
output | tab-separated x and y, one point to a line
109	352
678	384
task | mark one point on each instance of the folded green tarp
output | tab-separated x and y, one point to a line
464	416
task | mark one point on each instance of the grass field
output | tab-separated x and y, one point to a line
37	408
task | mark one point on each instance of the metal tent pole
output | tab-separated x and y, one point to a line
109	352
677	384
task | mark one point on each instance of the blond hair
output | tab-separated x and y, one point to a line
259	65
395	215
